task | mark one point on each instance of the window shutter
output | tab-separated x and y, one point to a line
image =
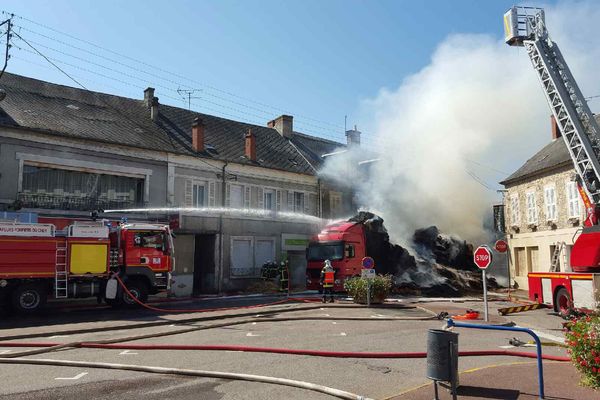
290	200
211	194
227	194
261	198
278	195
306	203
187	200
247	197
312	204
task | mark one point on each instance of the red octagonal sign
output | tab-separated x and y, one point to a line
501	246
482	256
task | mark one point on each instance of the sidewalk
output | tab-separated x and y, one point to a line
511	381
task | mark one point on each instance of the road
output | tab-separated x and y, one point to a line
317	327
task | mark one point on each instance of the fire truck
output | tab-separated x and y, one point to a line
38	262
580	287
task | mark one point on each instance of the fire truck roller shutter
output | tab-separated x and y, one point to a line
88	258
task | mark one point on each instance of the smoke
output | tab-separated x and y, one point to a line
464	122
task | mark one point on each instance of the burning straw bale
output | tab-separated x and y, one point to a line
439	265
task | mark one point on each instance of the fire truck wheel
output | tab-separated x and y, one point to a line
563	302
138	289
29	298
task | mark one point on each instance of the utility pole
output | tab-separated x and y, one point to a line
8	22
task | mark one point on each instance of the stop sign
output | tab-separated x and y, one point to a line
482	257
501	246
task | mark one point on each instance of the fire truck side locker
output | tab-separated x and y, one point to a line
565	291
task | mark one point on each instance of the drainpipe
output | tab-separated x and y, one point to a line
223	191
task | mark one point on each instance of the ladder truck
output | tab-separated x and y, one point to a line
579	289
38	262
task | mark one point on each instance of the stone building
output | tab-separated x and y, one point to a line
543	211
239	194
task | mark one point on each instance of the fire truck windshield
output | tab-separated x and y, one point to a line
325	251
153	240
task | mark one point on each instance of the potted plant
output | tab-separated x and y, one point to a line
381	286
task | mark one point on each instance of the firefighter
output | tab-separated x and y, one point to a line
327	279
284	270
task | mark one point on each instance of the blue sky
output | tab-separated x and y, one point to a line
249	60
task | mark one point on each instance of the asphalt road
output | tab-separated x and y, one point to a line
375	378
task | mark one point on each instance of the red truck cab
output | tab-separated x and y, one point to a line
344	244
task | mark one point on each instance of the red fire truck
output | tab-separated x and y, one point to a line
579	288
37	261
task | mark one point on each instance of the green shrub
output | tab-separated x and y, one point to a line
583	340
381	286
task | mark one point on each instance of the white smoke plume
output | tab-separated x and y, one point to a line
465	121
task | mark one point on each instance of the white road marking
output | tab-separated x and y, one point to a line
322	309
57	336
545	335
78	376
343	334
127	353
507	347
250	334
325	315
335	323
254	323
4	351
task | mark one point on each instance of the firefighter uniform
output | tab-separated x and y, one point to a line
327	281
284	271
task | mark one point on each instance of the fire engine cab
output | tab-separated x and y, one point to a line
38	262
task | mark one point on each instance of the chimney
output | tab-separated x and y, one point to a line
353	137
154	109
250	151
148	96
555	128
284	124
198	135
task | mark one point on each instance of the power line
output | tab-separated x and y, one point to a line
98	97
158	69
136	77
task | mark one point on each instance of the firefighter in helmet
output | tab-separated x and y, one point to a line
327	280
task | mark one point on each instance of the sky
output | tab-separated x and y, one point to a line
253	60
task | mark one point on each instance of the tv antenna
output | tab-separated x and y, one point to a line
187	93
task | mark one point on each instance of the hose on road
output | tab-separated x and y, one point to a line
191	372
316	353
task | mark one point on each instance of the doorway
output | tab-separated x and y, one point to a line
297	260
204	265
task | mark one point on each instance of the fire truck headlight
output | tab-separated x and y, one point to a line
3	283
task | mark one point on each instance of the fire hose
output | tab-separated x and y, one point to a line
302	352
191	372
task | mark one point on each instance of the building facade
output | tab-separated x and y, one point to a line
238	194
543	211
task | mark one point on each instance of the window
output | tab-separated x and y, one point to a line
66	189
198	194
573	200
515	213
335	204
532	216
329	251
299	202
236	196
550	200
269	199
152	240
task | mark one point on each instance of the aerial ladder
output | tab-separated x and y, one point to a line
526	27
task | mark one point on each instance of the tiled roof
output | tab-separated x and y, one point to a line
555	154
78	113
313	147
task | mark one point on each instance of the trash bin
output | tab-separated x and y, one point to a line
442	355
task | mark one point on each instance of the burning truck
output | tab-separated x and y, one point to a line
440	265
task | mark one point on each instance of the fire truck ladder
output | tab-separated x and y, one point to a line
61	274
526	27
558	249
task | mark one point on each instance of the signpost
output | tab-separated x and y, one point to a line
482	257
368	273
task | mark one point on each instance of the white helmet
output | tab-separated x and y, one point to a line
328	263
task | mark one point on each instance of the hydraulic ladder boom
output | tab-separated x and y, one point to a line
525	26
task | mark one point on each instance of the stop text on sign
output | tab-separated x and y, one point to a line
482	257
